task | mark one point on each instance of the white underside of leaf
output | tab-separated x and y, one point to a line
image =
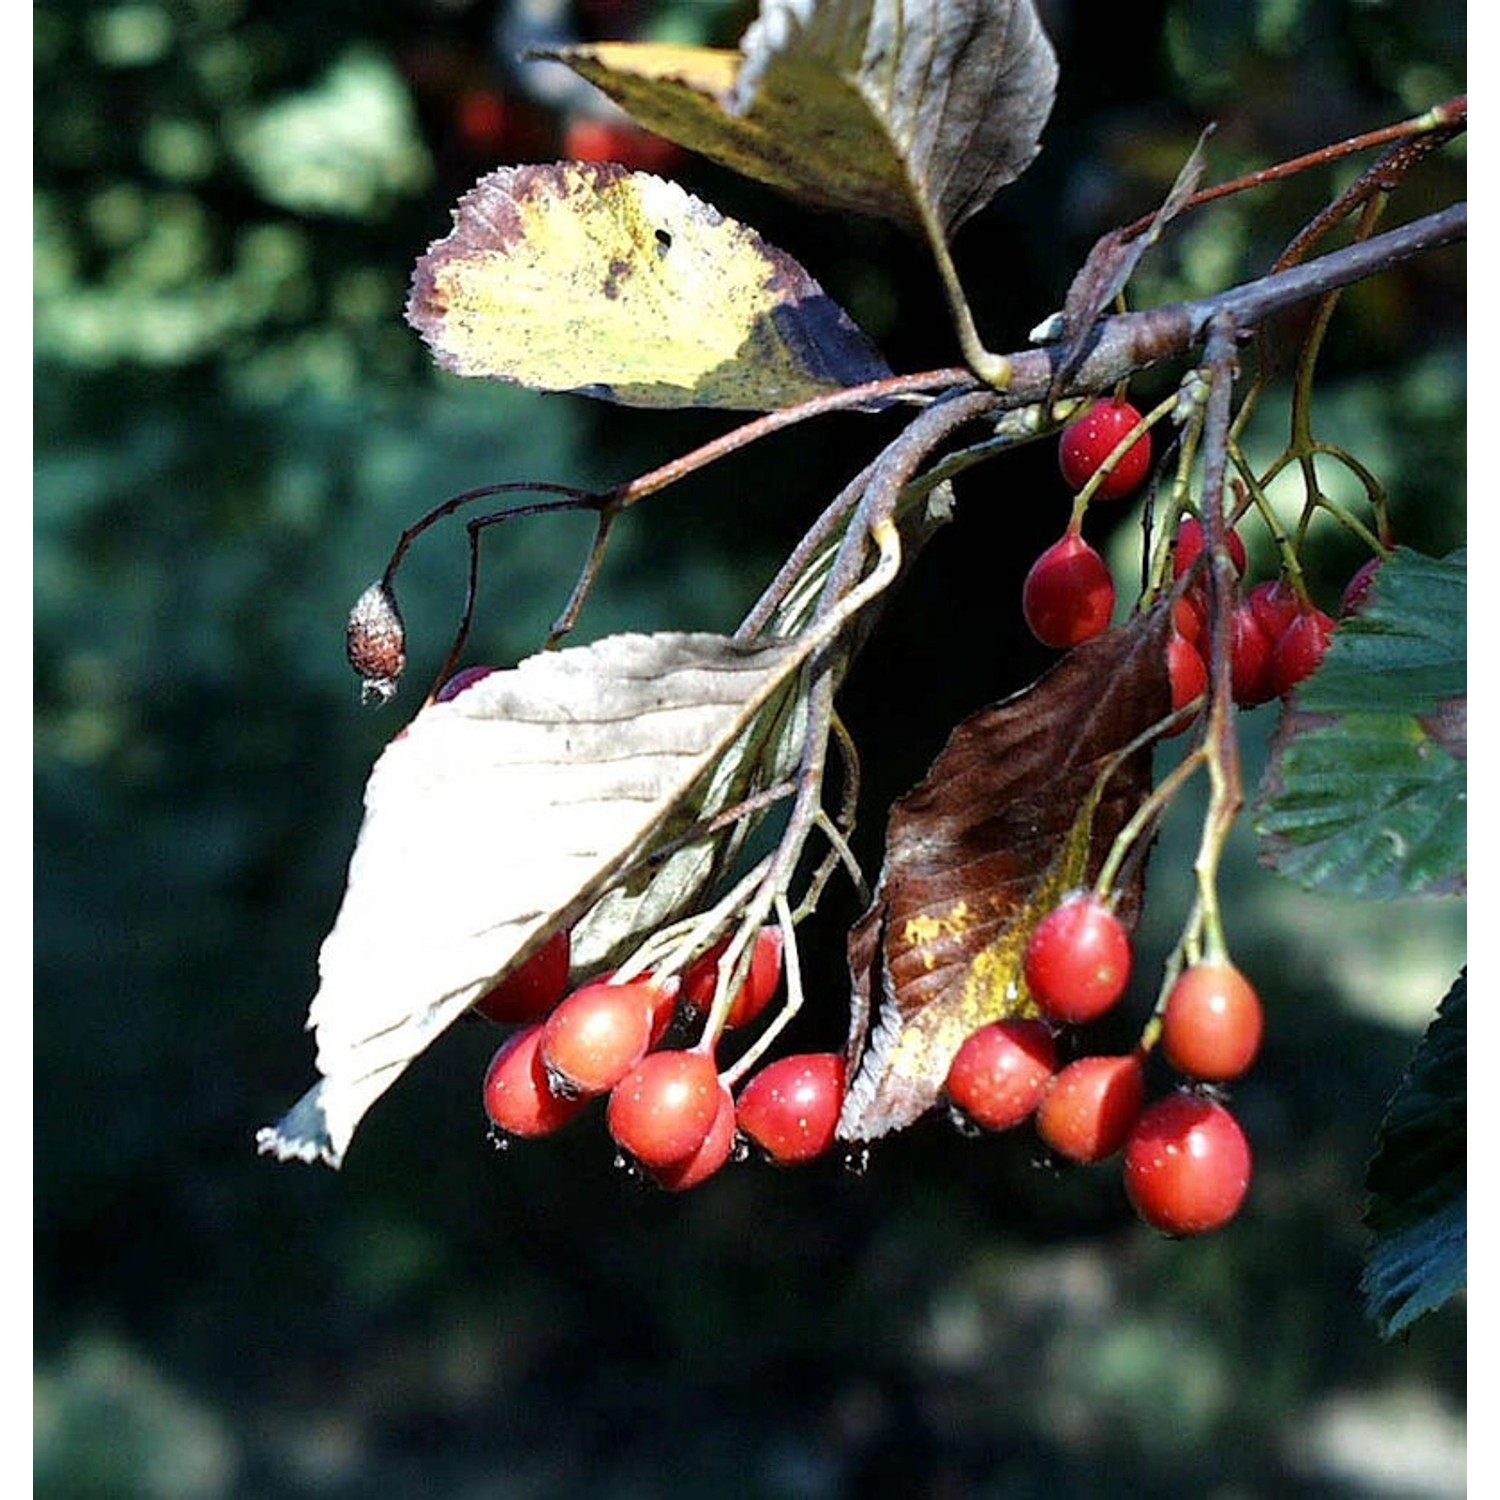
495	818
766	752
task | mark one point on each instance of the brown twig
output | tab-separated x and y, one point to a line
1439	125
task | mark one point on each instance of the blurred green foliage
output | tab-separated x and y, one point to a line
233	424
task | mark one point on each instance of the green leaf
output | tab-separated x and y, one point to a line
1405	651
913	110
584	277
1418	1178
346	146
1366	790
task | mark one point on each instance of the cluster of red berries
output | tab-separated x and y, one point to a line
1278	636
668	1109
1186	1160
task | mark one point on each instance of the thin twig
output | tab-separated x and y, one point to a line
1226	791
1436	126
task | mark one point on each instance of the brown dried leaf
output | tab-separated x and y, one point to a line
1009	817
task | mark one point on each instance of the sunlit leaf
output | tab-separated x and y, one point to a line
1418	1178
583	276
1367	788
347	146
495	818
1009	817
911	110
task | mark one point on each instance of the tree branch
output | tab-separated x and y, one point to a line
1130	341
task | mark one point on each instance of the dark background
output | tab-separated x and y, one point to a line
232	425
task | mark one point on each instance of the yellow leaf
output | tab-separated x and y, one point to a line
687	95
582	276
911	110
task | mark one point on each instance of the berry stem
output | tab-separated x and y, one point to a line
573	499
836	829
1145	817
1220	744
1185	952
1291	565
1345	517
668	950
587	576
789	1007
1187	414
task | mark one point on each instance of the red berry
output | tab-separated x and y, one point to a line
1191	539
529	992
998	1077
1077	960
661	1111
1249	657
1211	1023
1190	616
1276	605
1188	675
518	1097
1357	590
1299	650
1187	1165
664	993
587	139
663	998
1087	441
481	118
790	1108
679	1176
1090	1106
754	994
597	1034
1068	596
466	677
622	141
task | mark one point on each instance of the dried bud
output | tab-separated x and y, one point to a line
375	642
